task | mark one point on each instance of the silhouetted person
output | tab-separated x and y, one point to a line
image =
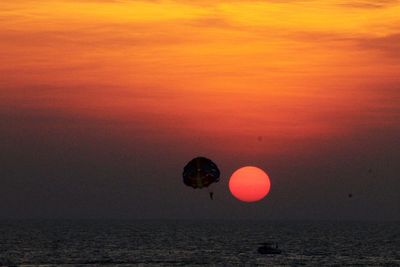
211	195
350	195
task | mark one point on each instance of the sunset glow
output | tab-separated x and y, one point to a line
294	70
102	102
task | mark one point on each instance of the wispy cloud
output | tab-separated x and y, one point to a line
366	4
388	45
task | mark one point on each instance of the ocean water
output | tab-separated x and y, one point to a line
197	243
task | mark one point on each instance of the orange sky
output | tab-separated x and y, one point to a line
230	72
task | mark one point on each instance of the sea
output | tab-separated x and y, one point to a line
197	243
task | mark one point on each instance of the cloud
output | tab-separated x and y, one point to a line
388	45
370	4
213	22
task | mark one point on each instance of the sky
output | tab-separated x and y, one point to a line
103	102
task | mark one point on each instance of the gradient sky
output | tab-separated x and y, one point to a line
102	103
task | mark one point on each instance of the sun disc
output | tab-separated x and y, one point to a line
249	184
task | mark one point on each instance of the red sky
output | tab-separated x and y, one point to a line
244	82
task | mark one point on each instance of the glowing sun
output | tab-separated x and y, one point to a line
249	184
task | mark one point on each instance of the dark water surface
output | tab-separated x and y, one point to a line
198	243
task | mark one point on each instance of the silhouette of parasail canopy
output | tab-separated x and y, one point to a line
200	172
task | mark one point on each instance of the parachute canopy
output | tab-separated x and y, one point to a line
200	172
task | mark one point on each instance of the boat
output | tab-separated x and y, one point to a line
268	248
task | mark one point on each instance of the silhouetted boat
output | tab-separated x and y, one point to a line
267	248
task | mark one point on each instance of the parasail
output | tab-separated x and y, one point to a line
200	172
